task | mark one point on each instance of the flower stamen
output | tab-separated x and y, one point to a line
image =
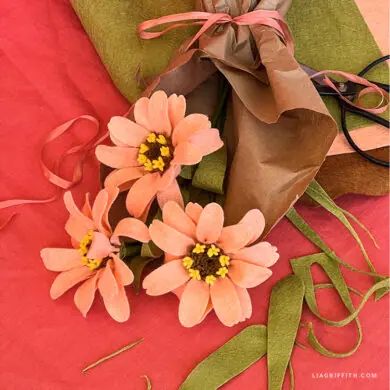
84	246
206	262
155	153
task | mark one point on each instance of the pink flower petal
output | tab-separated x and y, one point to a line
132	228
189	125
78	224
158	113
85	294
210	224
226	302
234	238
126	131
117	305
176	108
206	140
174	216
263	254
166	278
171	193
141	110
193	303
113	193
98	210
254	220
117	156
123	273
168	257
87	209
60	259
142	192
100	246
245	302
123	178
248	275
169	239
67	279
187	154
169	176
107	284
194	210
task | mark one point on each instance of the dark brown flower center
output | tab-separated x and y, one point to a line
156	153
206	262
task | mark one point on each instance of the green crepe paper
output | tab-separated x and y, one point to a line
129	250
187	172
232	358
137	265
211	171
112	27
309	233
301	268
150	249
285	310
330	285
318	194
340	40
331	34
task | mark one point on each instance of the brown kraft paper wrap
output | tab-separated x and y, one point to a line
278	129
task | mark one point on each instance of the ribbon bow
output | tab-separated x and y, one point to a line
207	19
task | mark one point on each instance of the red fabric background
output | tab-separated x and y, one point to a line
49	73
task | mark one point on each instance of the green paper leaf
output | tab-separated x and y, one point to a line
309	233
302	268
150	249
137	265
318	194
234	357
128	250
284	315
187	171
210	174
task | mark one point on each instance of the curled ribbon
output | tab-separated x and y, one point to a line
380	108
208	19
53	175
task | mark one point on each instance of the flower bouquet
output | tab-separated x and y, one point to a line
215	152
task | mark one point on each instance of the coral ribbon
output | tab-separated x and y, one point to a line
207	19
380	108
53	175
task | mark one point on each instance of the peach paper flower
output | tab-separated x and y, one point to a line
94	260
149	152
207	265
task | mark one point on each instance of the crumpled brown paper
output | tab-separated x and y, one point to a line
278	129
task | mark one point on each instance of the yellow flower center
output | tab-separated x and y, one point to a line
206	262
156	153
84	246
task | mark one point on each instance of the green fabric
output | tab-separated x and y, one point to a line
210	174
150	249
112	27
309	233
137	265
229	360
318	194
284	315
340	40
302	268
332	34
